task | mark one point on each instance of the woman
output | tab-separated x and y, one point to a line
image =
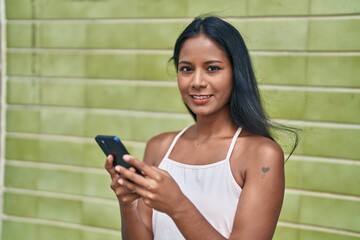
221	178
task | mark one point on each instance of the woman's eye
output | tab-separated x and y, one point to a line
185	69
213	68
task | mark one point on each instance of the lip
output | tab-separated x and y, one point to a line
200	98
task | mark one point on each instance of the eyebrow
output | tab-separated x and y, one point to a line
207	62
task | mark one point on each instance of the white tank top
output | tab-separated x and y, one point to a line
211	188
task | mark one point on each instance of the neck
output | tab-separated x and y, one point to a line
207	126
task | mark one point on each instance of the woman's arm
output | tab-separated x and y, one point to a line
132	226
135	214
263	191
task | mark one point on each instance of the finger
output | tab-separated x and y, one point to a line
161	171
110	167
120	187
140	165
124	191
117	169
130	187
143	186
124	195
115	186
128	198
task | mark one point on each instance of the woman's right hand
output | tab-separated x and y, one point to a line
125	196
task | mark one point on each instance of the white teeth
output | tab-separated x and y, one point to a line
201	97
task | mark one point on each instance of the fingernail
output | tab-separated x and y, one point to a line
121	181
117	168
126	157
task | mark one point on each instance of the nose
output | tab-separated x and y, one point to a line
198	80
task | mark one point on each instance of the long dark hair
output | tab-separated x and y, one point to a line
245	101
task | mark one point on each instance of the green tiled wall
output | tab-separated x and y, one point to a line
76	69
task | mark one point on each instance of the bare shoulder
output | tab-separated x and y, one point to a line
157	147
259	148
258	153
266	149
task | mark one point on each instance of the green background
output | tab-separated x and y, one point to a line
78	68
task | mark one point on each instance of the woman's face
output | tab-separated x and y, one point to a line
205	76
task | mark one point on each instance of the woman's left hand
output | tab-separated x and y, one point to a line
157	188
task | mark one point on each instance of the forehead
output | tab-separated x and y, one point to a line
201	46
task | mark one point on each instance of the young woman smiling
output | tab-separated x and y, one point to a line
221	178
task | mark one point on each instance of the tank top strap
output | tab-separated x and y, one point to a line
174	141
232	145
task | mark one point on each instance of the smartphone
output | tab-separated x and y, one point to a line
113	145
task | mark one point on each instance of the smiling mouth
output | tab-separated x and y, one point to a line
200	97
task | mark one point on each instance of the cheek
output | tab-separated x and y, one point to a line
182	85
228	89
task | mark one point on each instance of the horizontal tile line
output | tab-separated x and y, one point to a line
189	19
87	169
50	137
90	50
322	194
173	83
64	196
67	138
296	17
55	166
309	53
303	158
107	201
169	52
166	115
79	139
318	229
325	89
48	166
54	223
100	171
101	20
74	197
171	115
118	232
302	123
96	81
